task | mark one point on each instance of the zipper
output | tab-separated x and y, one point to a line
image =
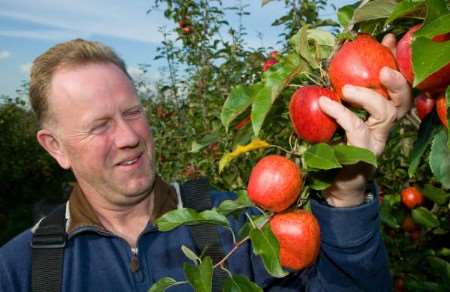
134	263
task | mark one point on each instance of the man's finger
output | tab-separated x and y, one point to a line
356	130
390	42
380	109
398	89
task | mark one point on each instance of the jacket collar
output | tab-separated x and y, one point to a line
81	215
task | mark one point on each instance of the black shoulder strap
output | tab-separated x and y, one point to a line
195	195
49	240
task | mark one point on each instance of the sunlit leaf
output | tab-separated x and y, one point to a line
190	254
237	102
241	149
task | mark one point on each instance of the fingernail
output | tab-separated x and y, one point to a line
388	72
348	89
325	100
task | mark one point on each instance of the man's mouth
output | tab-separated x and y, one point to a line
131	160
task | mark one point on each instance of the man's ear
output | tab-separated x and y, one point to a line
53	146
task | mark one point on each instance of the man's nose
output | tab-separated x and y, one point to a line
126	136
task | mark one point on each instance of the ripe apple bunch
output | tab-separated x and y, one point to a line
357	62
185	25
275	184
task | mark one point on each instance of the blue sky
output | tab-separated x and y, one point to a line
28	28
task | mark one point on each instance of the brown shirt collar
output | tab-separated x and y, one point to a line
81	213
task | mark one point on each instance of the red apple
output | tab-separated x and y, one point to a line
275	183
412	197
187	29
424	104
359	62
439	80
309	122
408	224
269	63
441	107
298	233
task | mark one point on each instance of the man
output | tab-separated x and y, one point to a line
93	123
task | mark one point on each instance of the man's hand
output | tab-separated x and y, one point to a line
349	187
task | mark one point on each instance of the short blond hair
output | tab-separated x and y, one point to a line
69	54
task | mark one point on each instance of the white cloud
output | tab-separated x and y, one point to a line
113	18
4	54
25	68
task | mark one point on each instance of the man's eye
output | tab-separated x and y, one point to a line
99	128
134	113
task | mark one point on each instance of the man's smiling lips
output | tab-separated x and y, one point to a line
131	161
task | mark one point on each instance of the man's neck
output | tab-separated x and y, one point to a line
126	220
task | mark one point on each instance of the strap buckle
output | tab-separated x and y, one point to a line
49	237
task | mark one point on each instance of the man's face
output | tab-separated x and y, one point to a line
103	133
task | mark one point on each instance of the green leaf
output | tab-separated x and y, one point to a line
238	101
440	158
435	194
428	57
200	277
435	27
440	267
387	216
425	218
162	284
345	14
190	254
240	284
321	156
319	185
435	8
266	245
347	154
274	81
406	8
185	216
205	141
424	137
374	10
230	206
324	42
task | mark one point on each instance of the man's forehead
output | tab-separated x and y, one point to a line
92	88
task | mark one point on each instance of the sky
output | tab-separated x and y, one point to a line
29	27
